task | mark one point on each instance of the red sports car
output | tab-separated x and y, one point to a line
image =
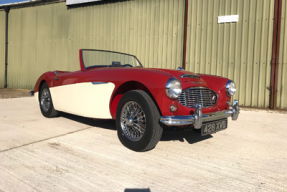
143	101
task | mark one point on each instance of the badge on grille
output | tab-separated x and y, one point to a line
213	98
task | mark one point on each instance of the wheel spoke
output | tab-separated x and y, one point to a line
45	100
133	121
135	113
138	127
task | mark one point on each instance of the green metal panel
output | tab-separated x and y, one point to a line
48	37
2	48
240	51
282	70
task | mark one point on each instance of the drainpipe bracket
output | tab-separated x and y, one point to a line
7	9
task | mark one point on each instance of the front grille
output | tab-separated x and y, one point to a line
191	97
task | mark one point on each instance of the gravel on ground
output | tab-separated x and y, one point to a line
6	93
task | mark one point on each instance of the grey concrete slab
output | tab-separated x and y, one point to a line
72	153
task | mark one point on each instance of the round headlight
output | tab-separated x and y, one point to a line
173	88
230	88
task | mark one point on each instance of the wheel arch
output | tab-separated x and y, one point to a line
125	87
40	85
45	77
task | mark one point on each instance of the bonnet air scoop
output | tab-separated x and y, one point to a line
190	76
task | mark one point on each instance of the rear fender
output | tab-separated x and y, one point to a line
46	77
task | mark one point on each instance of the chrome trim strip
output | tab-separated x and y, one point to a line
198	118
190	76
99	83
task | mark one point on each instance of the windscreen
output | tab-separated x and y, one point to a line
97	58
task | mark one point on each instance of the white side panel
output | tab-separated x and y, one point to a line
84	99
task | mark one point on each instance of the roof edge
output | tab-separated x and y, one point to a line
29	3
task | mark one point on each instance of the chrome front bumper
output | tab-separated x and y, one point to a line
198	118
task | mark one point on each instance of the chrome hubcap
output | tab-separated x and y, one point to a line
45	100
133	121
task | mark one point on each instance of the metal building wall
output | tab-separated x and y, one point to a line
240	51
2	48
48	37
282	68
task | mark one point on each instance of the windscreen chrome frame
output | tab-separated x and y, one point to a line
108	52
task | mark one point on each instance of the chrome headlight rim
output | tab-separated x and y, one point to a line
230	89
173	93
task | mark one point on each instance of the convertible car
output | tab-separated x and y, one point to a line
143	101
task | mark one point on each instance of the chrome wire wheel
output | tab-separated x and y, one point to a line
137	121
45	100
133	121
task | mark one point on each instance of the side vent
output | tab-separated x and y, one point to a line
190	76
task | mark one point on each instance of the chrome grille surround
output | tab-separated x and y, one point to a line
198	95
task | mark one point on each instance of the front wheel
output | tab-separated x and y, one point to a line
46	103
137	121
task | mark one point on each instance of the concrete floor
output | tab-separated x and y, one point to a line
72	153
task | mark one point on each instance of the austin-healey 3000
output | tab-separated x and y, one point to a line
143	101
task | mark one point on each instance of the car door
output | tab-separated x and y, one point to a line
78	94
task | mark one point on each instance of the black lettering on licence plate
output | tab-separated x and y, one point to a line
213	127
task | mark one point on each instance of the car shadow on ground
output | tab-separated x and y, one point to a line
137	190
101	123
182	135
190	136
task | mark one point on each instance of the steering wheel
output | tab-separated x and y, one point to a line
127	65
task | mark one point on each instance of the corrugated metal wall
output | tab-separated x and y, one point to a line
239	51
282	70
2	48
48	37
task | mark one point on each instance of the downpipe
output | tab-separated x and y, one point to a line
7	10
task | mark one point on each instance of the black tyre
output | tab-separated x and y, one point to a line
46	103
137	121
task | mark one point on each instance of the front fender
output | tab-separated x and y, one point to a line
155	87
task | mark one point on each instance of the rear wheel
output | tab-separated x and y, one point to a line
137	121
46	103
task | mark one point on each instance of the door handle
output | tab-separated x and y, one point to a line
56	79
